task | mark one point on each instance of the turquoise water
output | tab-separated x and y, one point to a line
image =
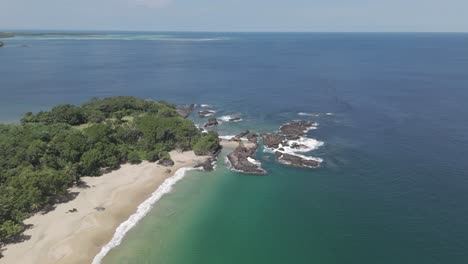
393	187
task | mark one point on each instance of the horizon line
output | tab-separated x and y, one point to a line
11	30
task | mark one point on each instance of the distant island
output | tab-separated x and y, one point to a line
5	35
50	151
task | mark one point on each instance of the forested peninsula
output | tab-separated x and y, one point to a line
48	152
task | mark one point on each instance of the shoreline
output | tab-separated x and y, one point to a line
61	236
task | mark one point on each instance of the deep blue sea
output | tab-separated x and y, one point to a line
393	187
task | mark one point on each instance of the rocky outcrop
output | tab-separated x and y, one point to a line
273	140
206	113
234	119
185	110
239	136
297	128
206	165
252	138
1	44
167	162
211	122
280	144
241	160
296	161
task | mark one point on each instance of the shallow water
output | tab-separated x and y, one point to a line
393	186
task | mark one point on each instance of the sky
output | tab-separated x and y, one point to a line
237	15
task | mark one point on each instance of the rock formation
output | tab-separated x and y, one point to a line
278	142
242	159
167	162
211	122
185	110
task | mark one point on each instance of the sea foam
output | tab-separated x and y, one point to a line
308	114
227	137
142	210
227	118
254	161
305	145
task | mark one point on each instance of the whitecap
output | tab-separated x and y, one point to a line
207	113
305	145
228	118
308	114
229	137
254	161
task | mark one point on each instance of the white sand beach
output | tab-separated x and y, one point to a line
60	236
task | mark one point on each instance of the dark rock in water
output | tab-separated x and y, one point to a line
296	128
167	162
296	146
291	131
206	113
207	165
1	44
272	140
234	119
240	135
185	110
211	122
296	161
239	160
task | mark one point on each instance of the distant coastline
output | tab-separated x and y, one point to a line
6	34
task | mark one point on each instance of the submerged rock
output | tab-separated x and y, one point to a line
211	122
185	110
1	44
296	161
234	119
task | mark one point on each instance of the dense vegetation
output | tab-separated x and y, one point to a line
49	151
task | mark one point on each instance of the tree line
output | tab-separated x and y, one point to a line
49	151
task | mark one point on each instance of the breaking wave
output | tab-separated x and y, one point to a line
227	118
142	210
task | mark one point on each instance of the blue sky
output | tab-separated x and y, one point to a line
237	15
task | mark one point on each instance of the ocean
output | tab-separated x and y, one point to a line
393	186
